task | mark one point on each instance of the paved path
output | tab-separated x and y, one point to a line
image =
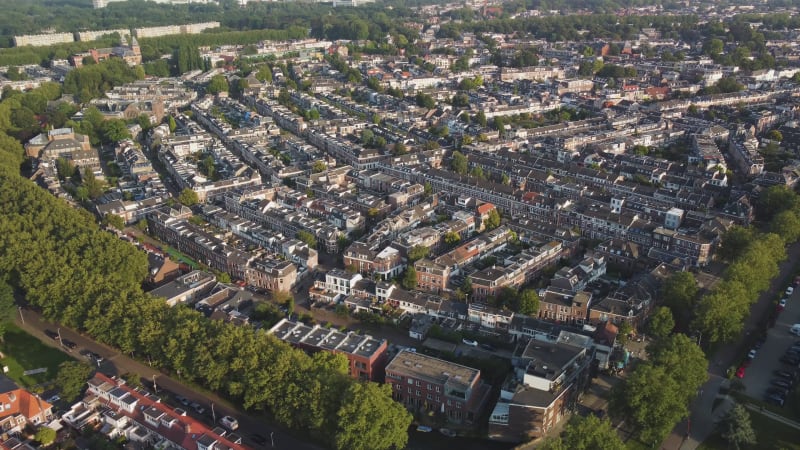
688	434
117	364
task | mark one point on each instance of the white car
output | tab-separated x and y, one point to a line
229	422
789	291
782	303
470	342
751	354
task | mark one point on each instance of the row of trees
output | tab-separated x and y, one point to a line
94	80
87	279
19	111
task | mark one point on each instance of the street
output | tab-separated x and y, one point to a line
115	363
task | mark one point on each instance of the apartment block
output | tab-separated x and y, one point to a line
426	384
272	274
43	40
366	355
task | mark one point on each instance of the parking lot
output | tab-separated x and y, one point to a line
760	372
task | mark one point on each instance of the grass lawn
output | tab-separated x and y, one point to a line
24	352
770	435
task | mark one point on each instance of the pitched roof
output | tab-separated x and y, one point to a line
20	401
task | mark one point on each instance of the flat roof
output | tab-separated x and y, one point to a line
327	339
436	370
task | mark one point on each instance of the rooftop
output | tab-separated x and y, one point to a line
436	370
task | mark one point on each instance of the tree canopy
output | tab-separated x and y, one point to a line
585	433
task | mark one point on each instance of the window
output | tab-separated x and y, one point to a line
409	390
438	399
429	386
410	381
458	405
418	383
438	389
418	393
430	397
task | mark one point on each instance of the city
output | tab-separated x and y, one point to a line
367	225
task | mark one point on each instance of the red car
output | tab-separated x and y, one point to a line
740	372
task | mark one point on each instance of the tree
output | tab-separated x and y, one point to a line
452	238
319	166
114	220
651	400
683	360
188	197
71	379
308	238
786	224
400	149
679	292
217	84
493	221
6	305
93	186
713	47
528	302
114	130
775	135
45	435
172	124
459	163
367	136
417	252
264	74
410	278
425	101
777	199
477	172
625	329
370	420
661	323
586	433
737	429
480	118
735	241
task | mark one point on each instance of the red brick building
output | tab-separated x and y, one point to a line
366	355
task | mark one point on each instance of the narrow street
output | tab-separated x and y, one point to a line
115	363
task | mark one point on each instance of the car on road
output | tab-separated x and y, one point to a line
489	347
781	383
197	407
53	399
775	399
789	291
229	422
447	432
469	342
784	374
424	429
778	391
182	400
781	304
751	354
51	334
790	360
259	439
740	372
69	344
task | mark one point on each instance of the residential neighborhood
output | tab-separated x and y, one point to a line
509	234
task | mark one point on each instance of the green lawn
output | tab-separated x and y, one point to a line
24	352
771	435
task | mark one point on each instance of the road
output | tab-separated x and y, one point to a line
688	434
116	363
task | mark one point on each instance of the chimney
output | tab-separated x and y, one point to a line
188	428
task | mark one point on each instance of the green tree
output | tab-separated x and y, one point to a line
188	197
737	429
6	306
417	252
480	118
777	199
45	435
679	292
319	166
477	172
114	220
452	238
410	278
651	400
217	84
172	124
585	433
661	323
528	302
427	189
734	242
370	420
424	100
264	74
308	238
625	329
114	130
493	221
92	184
786	224
459	163
683	360
71	379
775	135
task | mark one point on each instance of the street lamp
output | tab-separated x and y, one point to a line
213	414
59	335
271	438
155	386
21	317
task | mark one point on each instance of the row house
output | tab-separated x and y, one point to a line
518	271
431	275
139	417
366	356
630	303
489	317
274	275
576	278
426	384
695	249
387	263
560	305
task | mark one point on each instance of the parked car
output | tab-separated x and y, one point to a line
784	374
197	407
470	342
69	344
447	432
258	439
789	291
781	304
488	347
751	354
781	383
740	372
774	399
424	429
778	391
791	360
229	422
51	334
182	400
53	399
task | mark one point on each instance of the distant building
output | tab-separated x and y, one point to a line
186	288
64	143
191	28
43	40
366	355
